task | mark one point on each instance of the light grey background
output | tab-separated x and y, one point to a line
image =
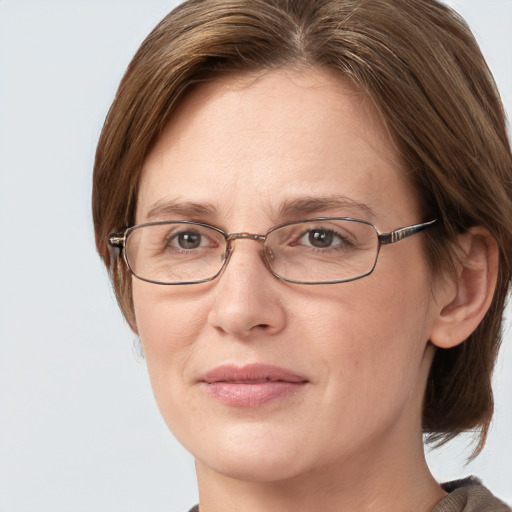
79	430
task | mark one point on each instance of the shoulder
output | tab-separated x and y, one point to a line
469	495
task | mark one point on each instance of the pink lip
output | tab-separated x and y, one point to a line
251	385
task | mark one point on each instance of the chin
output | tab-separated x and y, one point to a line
254	468
253	454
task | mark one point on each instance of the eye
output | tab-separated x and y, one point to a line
322	238
188	240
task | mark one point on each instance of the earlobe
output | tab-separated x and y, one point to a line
463	301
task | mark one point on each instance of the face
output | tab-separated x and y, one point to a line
347	362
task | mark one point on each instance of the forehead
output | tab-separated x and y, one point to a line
271	138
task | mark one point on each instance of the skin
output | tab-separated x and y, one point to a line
350	439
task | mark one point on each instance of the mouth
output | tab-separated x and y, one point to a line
251	385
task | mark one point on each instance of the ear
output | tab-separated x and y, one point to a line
463	298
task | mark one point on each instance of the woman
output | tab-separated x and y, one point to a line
306	209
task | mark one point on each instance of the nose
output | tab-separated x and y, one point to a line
248	298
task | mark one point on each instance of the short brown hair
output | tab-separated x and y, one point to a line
421	66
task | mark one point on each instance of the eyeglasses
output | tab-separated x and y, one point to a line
313	251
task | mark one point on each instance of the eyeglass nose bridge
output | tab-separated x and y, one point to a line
266	253
245	236
249	236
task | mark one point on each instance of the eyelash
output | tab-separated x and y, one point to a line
343	241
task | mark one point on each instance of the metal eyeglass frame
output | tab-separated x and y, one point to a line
117	242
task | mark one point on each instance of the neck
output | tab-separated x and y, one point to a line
378	482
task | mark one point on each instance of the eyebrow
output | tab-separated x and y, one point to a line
301	206
308	205
163	209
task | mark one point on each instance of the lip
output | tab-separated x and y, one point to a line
251	385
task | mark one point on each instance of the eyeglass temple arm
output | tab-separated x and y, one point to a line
401	233
116	243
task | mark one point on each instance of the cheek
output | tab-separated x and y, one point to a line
168	323
166	317
371	337
372	315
